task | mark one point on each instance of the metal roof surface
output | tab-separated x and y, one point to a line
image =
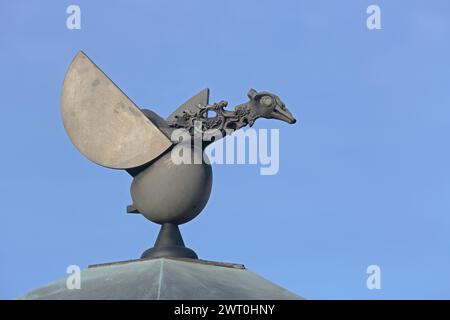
165	278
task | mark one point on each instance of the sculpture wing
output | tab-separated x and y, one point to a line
201	98
103	123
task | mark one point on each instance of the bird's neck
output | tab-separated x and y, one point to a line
214	122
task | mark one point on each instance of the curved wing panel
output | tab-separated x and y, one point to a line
103	123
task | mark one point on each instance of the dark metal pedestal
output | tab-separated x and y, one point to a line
169	244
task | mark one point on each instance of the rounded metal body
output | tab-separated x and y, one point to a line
166	192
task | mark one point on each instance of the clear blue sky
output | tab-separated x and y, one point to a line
364	175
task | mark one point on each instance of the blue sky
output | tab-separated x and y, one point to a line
364	174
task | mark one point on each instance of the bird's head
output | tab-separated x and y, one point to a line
268	105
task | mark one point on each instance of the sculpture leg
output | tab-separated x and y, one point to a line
169	244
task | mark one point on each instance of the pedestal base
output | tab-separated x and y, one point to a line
169	244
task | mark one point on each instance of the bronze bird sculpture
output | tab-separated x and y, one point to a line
110	130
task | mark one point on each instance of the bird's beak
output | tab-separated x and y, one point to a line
283	115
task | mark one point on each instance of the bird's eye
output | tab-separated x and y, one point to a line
266	101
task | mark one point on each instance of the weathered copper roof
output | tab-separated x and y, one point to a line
165	278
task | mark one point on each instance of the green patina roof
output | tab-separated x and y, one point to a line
165	278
